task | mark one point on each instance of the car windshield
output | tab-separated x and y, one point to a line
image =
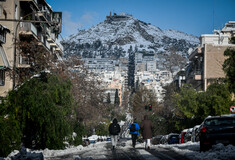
220	121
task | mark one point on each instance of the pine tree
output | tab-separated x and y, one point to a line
43	107
108	98
117	100
131	68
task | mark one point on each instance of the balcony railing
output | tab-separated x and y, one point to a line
52	38
28	27
47	44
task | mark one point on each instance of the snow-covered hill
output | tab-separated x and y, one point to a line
118	32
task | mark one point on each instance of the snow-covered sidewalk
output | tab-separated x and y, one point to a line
192	151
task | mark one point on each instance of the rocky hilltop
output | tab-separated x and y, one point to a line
119	32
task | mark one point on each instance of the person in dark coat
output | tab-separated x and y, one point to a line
114	130
135	133
147	128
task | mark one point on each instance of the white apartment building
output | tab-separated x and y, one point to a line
154	81
114	80
145	62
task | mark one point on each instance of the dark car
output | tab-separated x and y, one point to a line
217	129
173	138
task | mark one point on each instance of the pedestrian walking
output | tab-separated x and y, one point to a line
147	128
134	131
114	130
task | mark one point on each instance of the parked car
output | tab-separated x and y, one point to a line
108	139
86	142
217	129
188	135
156	140
195	134
93	138
182	135
163	140
173	138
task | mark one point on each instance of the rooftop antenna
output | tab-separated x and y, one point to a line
213	15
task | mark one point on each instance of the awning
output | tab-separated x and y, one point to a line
3	59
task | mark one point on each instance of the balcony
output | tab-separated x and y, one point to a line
45	13
27	28
52	38
28	2
196	52
34	1
44	43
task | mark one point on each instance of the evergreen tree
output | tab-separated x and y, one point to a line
10	133
195	106
229	68
42	106
116	100
131	68
108	98
232	40
186	101
218	99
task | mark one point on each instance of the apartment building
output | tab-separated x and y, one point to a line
99	64
145	62
206	61
4	64
32	20
113	80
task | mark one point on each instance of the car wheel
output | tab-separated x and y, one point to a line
204	147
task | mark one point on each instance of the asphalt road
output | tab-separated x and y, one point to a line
122	153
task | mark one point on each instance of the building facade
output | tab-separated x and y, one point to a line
206	61
32	20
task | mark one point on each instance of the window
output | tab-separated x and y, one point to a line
23	59
1	10
2	77
16	11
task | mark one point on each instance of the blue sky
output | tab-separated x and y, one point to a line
189	16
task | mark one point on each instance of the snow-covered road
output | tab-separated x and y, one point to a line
103	151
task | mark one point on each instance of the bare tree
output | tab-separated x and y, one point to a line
34	59
88	95
140	99
173	60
